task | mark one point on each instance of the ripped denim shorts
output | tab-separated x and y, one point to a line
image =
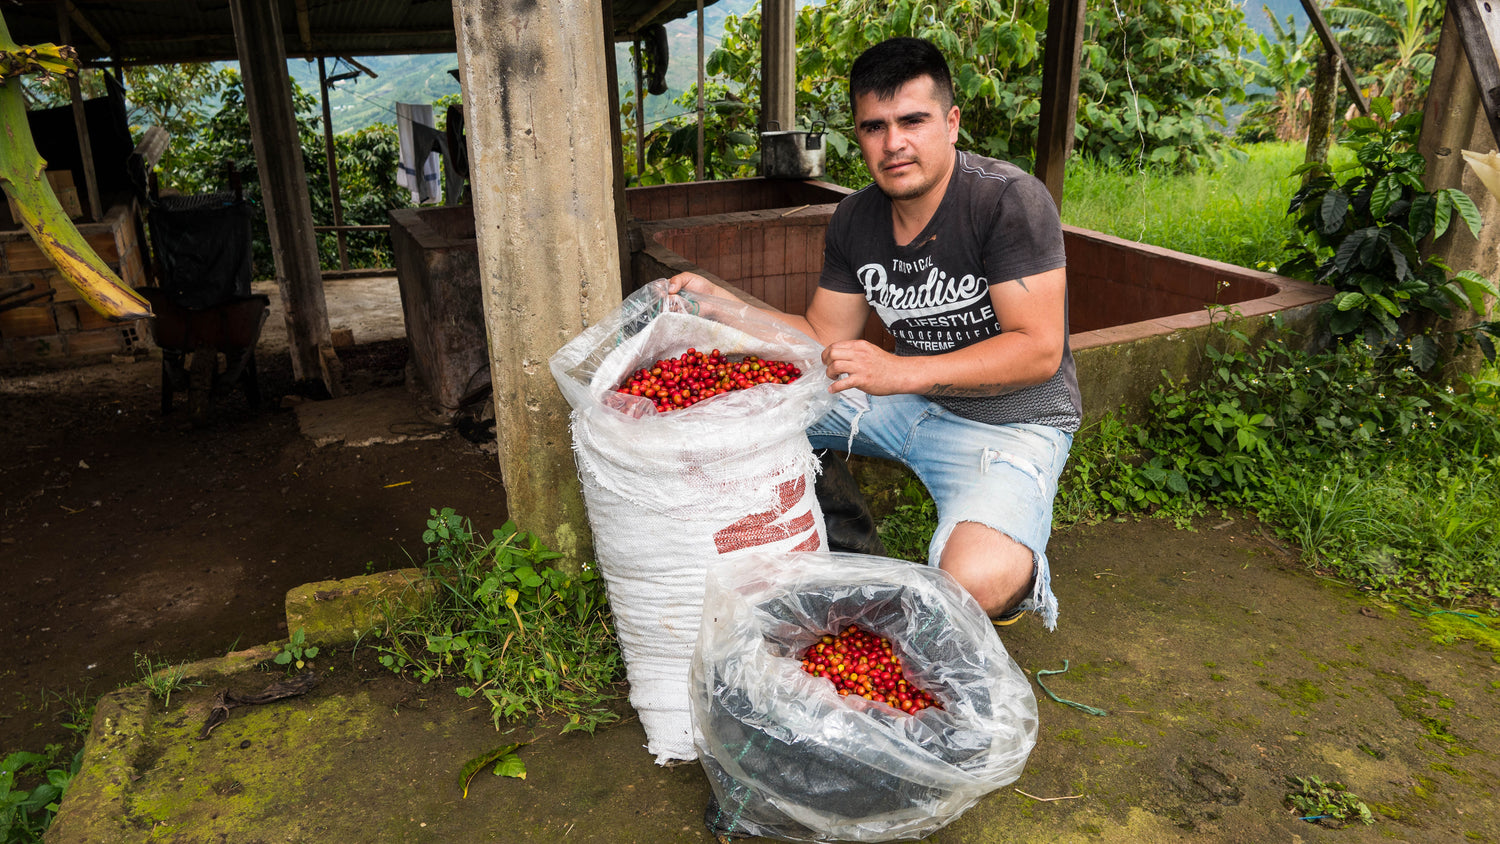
1001	476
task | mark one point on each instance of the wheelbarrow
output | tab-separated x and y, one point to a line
191	340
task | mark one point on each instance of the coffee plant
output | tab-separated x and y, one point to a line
1361	231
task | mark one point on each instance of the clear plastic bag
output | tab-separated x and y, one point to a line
790	758
669	493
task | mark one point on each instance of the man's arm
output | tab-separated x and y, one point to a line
830	316
1029	351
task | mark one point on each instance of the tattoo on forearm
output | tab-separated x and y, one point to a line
953	390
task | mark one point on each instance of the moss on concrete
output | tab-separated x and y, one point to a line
334	611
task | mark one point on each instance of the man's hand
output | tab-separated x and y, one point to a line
861	364
697	285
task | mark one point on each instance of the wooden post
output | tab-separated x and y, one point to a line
1477	26
80	122
545	222
701	163
778	65
333	166
283	178
1453	120
1054	137
1325	107
638	50
1331	44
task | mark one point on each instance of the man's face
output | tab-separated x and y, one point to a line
907	140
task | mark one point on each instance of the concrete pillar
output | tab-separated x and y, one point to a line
283	179
539	133
778	65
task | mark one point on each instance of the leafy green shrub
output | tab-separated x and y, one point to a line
25	813
1380	475
907	531
528	638
1362	236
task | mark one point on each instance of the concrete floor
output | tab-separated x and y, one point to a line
369	307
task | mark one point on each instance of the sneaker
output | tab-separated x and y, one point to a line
1009	617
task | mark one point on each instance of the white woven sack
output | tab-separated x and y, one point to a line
670	494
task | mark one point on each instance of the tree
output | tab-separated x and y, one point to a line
1392	42
1155	78
367	174
1286	69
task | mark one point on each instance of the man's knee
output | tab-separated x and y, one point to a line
994	568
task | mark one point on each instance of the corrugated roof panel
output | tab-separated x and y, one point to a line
160	31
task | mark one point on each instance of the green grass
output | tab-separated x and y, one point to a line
1235	213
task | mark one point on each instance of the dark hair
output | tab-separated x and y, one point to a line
885	67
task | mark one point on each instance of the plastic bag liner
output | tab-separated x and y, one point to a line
669	494
790	758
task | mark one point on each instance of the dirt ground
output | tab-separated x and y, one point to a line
124	532
1226	666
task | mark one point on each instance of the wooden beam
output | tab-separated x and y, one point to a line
330	154
1060	61
304	26
80	122
283	179
362	69
88	28
1331	44
646	18
1478	25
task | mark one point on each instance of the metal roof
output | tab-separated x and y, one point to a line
163	31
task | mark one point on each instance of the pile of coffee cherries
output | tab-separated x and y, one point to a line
861	663
683	381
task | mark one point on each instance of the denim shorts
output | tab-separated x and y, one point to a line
1000	476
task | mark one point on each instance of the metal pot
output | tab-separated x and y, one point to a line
792	154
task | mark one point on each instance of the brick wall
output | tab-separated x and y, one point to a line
63	329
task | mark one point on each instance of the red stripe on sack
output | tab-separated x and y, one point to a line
761	528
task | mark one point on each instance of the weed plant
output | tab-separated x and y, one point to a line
31	788
528	638
1326	803
161	677
1380	476
907	531
32	784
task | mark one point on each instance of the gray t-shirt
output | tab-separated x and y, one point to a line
996	222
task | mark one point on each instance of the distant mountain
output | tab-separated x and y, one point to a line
359	102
